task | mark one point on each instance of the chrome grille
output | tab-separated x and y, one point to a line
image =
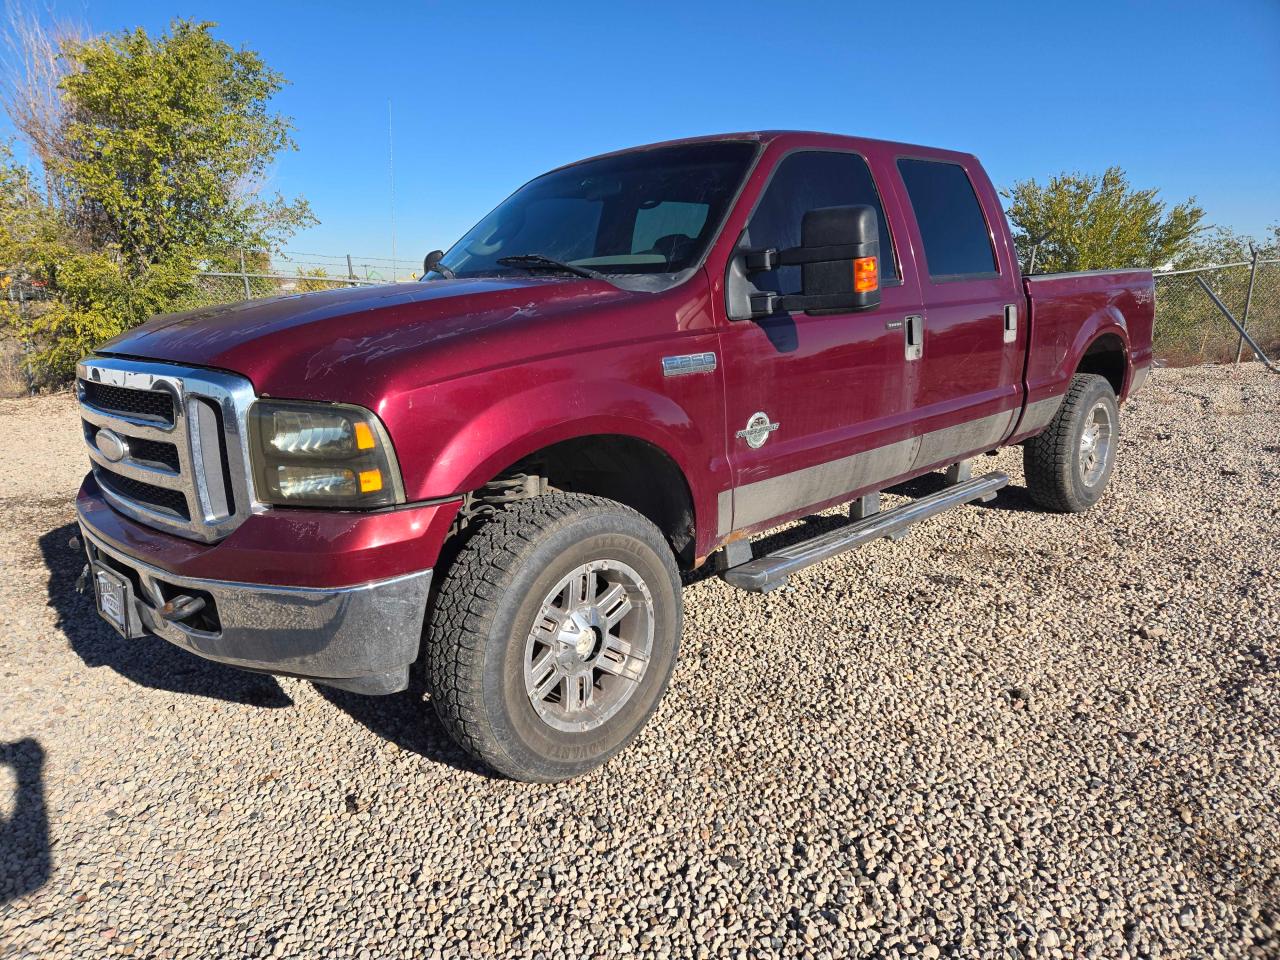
158	498
151	453
168	444
153	405
154	452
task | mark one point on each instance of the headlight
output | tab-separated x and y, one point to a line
321	455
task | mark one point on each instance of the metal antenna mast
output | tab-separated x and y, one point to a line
391	166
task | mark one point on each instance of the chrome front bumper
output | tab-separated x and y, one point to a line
361	637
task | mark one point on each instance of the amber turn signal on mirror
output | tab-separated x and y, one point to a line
866	275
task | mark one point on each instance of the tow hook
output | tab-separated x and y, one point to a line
82	581
181	607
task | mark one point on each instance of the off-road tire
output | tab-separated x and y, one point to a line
485	608
1053	462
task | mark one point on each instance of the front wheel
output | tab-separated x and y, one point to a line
554	634
1068	466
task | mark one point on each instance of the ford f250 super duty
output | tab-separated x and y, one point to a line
627	369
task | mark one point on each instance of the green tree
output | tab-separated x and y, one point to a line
20	208
165	141
160	148
1080	221
309	281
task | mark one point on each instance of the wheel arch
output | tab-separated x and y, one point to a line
1107	357
615	427
1101	346
624	467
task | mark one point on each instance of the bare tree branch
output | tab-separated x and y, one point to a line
31	71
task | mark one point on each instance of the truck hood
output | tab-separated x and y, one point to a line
300	345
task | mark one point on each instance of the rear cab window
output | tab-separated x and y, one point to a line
953	228
807	180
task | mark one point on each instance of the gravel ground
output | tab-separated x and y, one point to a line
1011	734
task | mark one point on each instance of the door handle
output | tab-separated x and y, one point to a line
1010	322
914	337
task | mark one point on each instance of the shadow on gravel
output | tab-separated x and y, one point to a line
25	860
150	661
1013	498
407	720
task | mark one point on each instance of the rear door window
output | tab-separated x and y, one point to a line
957	242
806	181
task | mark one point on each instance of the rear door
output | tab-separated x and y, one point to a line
817	406
969	373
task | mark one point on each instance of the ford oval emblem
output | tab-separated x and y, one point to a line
111	446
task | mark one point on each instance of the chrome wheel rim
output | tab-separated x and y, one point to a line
590	646
1096	441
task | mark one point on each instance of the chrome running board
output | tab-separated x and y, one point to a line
771	571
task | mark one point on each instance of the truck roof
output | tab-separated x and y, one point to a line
801	138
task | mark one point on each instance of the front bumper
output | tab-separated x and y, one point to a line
360	636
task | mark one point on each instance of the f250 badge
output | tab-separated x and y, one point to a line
757	430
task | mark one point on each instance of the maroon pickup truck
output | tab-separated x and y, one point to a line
628	369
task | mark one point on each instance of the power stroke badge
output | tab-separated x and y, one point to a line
757	430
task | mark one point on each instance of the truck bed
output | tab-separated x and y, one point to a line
1068	311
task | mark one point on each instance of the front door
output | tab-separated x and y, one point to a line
817	406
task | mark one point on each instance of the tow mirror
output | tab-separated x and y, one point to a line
839	258
849	279
431	264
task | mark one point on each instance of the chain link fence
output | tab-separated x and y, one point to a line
289	272
258	277
214	287
19	299
346	265
1191	329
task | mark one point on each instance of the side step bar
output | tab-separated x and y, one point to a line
771	571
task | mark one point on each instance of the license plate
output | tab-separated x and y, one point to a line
114	598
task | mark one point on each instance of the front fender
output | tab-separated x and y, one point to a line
453	438
521	424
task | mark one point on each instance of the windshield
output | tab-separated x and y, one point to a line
645	214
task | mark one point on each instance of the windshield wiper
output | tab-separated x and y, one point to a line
536	261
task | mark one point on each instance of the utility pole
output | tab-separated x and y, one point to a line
391	165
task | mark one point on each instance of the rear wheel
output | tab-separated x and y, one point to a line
554	635
1068	466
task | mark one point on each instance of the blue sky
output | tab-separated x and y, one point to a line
1184	96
